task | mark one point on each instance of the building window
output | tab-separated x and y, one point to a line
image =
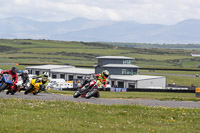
131	85
54	76
113	84
70	77
30	71
123	71
79	77
126	61
37	72
62	76
128	72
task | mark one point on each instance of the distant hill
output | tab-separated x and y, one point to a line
82	29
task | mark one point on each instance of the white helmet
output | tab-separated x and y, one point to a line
105	73
25	71
46	74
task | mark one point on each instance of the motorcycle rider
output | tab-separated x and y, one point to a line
45	80
101	79
86	81
25	77
13	73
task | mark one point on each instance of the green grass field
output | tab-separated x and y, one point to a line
85	53
27	116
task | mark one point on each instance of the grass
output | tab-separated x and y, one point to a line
63	52
142	95
19	115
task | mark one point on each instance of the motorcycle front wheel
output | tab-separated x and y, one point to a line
28	90
2	87
77	94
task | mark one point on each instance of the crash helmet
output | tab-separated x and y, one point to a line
45	76
105	73
25	72
14	70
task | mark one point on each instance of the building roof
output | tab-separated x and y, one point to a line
114	57
134	77
74	70
49	67
121	65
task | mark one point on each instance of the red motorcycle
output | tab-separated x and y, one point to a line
88	90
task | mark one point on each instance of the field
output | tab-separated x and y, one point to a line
19	115
85	53
31	52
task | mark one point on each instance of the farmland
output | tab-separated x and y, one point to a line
31	52
85	53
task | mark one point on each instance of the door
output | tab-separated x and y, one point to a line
120	84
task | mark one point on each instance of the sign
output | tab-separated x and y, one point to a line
197	92
118	89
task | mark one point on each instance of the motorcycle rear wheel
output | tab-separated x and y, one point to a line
91	93
9	91
97	95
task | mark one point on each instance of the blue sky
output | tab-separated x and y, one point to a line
143	11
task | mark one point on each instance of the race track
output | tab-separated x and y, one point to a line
143	102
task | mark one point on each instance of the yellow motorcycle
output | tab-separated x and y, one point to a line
34	87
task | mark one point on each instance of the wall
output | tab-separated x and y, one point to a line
159	83
109	61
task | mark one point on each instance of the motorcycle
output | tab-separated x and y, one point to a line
34	87
22	86
88	90
6	83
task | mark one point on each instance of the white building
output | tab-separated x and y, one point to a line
61	71
122	73
138	81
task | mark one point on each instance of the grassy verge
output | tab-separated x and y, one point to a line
19	115
143	95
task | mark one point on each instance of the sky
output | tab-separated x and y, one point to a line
143	11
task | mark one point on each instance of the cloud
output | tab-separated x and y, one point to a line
144	11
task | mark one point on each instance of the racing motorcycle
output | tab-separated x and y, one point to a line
22	86
6	83
88	90
34	87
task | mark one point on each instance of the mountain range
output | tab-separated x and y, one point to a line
82	29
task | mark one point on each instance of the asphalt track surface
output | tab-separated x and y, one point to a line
104	101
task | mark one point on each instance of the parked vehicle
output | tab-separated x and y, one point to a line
34	87
88	90
59	84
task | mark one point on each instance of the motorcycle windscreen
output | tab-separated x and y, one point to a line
7	79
